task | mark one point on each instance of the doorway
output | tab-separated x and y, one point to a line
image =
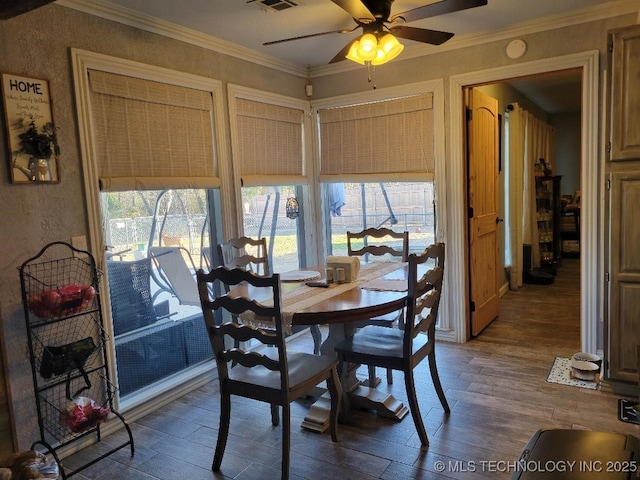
590	261
542	112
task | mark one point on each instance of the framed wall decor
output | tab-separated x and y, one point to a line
32	142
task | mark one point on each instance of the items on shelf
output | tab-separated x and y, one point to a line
548	217
570	225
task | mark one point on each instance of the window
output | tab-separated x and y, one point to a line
402	206
270	160
378	159
158	328
265	215
148	141
508	256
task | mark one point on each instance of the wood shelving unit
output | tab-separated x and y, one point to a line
548	210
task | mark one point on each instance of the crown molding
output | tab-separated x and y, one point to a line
132	18
116	13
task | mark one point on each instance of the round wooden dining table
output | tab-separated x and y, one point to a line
339	312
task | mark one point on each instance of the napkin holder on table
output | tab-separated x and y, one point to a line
351	266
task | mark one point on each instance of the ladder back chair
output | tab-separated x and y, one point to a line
378	249
272	375
246	253
403	349
251	254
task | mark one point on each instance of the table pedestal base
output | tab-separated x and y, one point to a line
318	417
383	403
359	395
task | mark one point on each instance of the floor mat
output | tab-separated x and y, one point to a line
628	412
561	373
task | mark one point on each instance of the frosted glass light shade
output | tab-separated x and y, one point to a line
353	53
368	46
388	48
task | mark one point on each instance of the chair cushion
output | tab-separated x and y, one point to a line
302	366
376	341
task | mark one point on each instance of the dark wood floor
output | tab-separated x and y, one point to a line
496	386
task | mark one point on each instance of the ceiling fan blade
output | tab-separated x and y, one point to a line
434	37
356	9
439	8
342	54
310	36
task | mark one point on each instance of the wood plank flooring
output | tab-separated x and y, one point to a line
496	387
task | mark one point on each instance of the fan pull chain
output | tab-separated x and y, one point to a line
371	74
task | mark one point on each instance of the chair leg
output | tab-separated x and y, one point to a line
345	406
436	382
223	431
372	376
275	415
389	376
415	409
335	389
286	439
317	338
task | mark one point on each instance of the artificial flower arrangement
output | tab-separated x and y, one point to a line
39	143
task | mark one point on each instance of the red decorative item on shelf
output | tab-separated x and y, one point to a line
83	413
66	300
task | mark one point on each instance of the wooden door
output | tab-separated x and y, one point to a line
625	99
624	273
623	179
482	131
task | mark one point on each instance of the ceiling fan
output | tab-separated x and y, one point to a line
374	17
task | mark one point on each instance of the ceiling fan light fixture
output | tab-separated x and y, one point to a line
388	48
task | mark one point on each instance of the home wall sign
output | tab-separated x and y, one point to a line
31	132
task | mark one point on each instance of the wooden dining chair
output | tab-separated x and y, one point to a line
246	253
379	242
272	375
403	349
252	254
358	243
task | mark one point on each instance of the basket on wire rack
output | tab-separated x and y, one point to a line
60	287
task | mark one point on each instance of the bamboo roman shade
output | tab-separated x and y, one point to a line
268	149
151	135
390	140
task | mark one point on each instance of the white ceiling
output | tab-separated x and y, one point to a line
245	23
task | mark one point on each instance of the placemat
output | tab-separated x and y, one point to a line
383	284
299	275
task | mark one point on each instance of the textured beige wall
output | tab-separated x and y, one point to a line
568	150
37	44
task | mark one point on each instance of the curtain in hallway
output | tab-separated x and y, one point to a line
529	140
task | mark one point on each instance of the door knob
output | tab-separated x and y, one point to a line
498	220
